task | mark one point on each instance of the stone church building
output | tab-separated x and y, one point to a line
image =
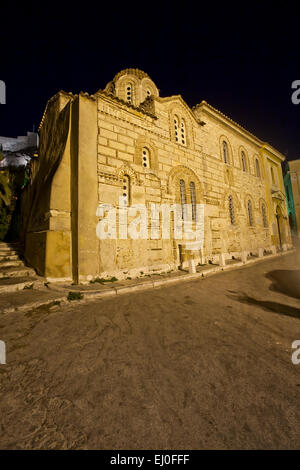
127	141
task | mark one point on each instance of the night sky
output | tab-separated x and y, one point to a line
241	61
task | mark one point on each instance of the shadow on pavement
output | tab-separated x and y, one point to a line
276	307
285	281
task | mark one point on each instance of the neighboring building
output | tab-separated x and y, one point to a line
276	197
18	151
126	141
292	189
15	144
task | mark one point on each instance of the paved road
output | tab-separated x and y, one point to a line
202	365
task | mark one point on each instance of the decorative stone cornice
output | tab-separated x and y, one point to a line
142	109
108	176
277	194
271	151
137	72
179	99
212	201
204	106
127	170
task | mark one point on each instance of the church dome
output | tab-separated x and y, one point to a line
132	86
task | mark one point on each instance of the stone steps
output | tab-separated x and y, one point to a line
16	271
7	254
14	275
10	264
10	244
10	249
8	257
5	247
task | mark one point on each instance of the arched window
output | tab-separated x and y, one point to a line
225	152
231	210
272	175
129	93
257	168
250	212
264	215
145	158
182	196
182	132
243	157
126	190
176	125
193	199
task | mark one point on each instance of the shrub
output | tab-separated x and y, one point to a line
101	280
74	296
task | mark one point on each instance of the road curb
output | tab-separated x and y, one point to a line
147	285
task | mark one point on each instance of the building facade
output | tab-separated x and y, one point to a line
292	189
128	142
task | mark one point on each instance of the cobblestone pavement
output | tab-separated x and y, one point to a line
204	364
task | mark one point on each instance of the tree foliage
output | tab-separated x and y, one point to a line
5	190
12	180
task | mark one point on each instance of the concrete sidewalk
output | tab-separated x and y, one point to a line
51	295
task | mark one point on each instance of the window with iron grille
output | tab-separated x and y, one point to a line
250	212
272	175
182	196
225	152
126	190
257	168
145	158
264	215
193	199
129	93
176	124
243	156
231	210
182	132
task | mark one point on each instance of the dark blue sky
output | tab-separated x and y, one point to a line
242	62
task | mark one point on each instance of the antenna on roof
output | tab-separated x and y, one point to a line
33	128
